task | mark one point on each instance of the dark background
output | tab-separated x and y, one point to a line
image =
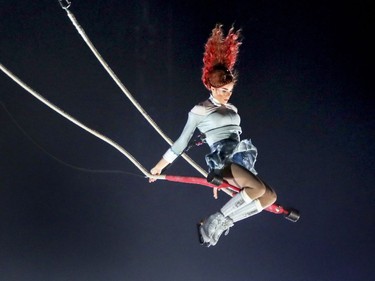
305	99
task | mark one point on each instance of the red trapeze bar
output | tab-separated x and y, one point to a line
201	181
275	208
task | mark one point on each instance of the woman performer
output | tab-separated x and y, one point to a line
231	158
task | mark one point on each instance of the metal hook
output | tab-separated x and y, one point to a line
65	4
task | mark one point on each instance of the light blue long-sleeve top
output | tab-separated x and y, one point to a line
216	121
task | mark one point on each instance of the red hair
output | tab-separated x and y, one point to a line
220	55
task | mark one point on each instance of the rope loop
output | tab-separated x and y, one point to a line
65	4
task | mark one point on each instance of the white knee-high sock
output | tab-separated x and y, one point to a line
246	211
237	202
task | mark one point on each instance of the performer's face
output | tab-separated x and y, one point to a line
223	93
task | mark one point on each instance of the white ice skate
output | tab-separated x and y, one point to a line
211	229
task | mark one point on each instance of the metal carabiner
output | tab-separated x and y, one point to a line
65	4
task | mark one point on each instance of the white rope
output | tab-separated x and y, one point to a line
126	92
78	123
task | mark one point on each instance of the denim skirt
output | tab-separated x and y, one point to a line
228	151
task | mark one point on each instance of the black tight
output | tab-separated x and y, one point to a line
254	187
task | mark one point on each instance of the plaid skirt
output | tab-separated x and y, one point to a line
231	150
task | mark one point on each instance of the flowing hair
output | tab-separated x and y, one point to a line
220	56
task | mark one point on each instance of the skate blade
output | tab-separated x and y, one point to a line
200	237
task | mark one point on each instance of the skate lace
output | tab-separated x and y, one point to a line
223	226
218	225
227	224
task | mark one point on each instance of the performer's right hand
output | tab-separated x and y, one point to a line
159	167
154	171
